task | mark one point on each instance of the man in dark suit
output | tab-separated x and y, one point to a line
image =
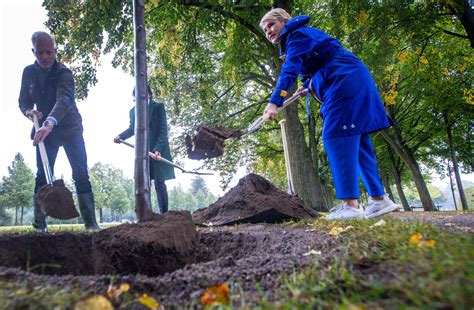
49	85
159	147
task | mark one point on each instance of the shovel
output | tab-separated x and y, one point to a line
54	198
259	121
171	163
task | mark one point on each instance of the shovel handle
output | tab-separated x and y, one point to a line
43	154
169	162
259	122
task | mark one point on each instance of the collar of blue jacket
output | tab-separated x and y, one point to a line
294	23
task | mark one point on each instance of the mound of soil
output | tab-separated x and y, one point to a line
56	201
254	200
163	245
209	142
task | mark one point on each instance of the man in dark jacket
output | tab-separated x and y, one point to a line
158	145
49	85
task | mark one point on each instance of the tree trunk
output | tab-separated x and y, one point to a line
22	211
398	180
408	158
101	215
313	146
454	159
142	164
386	182
451	186
16	216
305	178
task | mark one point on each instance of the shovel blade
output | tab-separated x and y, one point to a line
56	201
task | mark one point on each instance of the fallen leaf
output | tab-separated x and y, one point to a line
114	292
379	223
96	302
415	238
336	231
216	294
148	301
429	243
449	224
312	252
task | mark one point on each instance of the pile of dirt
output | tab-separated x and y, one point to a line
163	245
56	201
254	200
209	142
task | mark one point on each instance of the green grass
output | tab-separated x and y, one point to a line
377	267
52	228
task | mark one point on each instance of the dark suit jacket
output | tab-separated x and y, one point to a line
54	98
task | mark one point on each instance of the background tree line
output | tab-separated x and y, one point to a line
214	66
112	190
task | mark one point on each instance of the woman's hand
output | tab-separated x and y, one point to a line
301	91
118	139
270	111
155	155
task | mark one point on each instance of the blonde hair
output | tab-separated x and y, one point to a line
278	14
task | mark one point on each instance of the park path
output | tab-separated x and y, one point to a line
453	220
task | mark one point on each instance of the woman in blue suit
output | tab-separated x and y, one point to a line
351	107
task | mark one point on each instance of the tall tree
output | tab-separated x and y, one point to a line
17	188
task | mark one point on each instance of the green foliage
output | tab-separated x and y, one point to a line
16	189
111	189
180	200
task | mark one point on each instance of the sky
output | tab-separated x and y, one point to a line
105	112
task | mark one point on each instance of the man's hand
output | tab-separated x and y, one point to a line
118	139
155	155
30	113
270	111
42	133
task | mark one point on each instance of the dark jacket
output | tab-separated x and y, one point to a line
54	98
157	139
351	104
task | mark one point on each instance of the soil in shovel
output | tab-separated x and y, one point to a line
209	141
56	201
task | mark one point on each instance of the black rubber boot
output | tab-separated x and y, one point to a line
39	223
87	208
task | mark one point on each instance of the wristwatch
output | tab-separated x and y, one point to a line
48	123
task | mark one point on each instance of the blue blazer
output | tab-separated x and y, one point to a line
351	104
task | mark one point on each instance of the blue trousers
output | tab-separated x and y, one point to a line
76	154
351	157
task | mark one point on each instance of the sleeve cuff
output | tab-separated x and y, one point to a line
278	97
52	118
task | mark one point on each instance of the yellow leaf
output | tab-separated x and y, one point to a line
424	60
429	243
124	287
96	302
336	231
148	301
216	294
415	238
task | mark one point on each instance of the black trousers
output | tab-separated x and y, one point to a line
162	195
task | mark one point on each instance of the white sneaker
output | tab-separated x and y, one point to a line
344	212
380	207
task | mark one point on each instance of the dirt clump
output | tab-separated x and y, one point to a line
165	244
254	200
56	200
209	142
